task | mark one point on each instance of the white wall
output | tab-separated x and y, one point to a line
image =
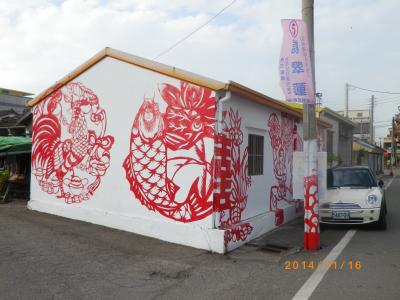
121	89
257	216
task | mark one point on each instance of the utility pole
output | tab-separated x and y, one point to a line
311	205
394	145
371	124
346	104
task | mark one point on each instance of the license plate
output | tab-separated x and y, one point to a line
341	215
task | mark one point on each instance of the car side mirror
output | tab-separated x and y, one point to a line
381	183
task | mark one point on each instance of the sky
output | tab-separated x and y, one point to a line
356	41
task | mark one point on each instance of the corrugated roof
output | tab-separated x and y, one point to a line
338	116
175	73
373	148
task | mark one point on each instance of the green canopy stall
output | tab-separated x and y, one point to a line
12	145
15	162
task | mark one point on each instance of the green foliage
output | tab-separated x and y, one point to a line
4	175
331	158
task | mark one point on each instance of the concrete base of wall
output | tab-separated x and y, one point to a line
184	234
263	223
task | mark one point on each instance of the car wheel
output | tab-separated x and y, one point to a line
382	222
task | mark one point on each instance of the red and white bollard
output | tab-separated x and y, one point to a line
311	203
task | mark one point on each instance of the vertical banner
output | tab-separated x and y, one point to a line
297	83
295	71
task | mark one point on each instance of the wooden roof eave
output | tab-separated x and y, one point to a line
270	102
134	60
175	73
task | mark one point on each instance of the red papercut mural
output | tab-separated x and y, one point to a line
310	206
232	179
284	140
70	151
150	169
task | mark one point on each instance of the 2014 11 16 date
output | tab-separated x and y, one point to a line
331	265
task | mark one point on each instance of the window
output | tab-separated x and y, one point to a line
360	114
256	154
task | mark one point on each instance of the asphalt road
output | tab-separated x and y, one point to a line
48	257
379	255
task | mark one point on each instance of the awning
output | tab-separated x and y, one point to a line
360	144
11	145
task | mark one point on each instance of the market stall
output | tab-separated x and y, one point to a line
15	161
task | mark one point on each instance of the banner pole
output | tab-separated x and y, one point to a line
311	205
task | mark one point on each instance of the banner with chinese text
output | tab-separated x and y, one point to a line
295	71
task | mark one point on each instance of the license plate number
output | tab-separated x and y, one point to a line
341	215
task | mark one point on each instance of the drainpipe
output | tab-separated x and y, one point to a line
220	102
218	129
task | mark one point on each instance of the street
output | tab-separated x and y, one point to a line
47	257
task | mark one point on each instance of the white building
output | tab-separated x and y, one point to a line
139	146
362	119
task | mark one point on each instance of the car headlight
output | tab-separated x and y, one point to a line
372	199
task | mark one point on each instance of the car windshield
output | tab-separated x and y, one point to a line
350	177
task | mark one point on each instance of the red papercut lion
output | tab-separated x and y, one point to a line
70	151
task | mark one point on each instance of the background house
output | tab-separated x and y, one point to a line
362	119
13	99
25	120
367	154
339	137
15	149
339	141
13	105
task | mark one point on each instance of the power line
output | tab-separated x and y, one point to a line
194	31
387	98
374	91
390	101
382	121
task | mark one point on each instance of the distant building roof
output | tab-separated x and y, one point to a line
338	116
367	146
14	92
319	110
7	112
25	118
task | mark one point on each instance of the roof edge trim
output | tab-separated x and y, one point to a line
134	60
63	81
338	116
